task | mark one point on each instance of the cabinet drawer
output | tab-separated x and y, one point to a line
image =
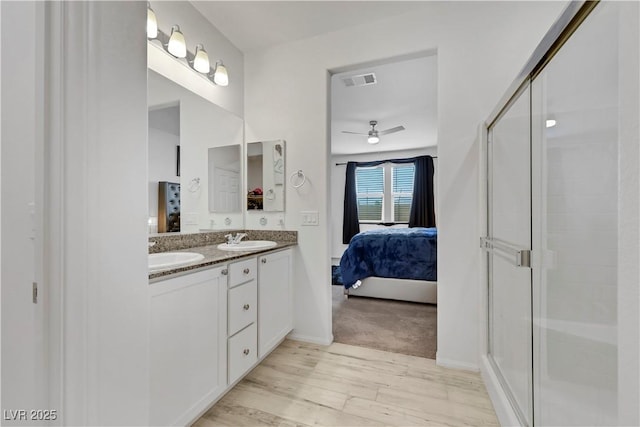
243	303
242	271
242	352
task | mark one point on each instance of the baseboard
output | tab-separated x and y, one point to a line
502	406
456	364
310	339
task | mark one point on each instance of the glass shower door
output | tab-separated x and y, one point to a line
508	243
575	174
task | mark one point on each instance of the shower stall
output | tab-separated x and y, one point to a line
557	230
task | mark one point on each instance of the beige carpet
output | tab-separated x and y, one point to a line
396	326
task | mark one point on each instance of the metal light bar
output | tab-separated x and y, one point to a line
163	40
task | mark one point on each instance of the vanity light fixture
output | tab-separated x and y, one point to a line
201	60
177	45
152	23
220	75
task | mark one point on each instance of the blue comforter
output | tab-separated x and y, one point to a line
402	253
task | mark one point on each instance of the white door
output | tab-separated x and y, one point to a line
226	184
24	341
188	345
275	306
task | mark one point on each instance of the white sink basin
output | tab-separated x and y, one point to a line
247	245
169	260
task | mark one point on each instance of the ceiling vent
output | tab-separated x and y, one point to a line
360	80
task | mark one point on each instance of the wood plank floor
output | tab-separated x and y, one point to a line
302	384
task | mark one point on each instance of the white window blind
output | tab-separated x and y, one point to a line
384	192
370	191
402	192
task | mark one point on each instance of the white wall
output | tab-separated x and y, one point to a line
23	376
203	125
337	190
481	46
96	212
197	29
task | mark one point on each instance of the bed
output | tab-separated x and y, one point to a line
392	263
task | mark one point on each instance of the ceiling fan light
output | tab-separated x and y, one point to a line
373	139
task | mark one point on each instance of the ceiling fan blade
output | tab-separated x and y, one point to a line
355	133
392	130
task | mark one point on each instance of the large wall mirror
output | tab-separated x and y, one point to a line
195	161
266	176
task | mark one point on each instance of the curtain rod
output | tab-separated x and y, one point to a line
341	164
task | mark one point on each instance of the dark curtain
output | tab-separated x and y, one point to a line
422	210
350	223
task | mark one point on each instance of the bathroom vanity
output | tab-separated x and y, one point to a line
211	323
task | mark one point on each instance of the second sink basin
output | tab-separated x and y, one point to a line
168	260
247	245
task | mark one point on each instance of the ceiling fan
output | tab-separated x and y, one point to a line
373	137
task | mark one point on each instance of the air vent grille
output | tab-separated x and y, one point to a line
360	80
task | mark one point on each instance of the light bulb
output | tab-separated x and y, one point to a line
177	46
201	60
152	23
220	75
550	123
373	139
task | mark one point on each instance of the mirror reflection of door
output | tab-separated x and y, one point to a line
224	179
164	137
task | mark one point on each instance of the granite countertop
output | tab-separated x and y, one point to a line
213	256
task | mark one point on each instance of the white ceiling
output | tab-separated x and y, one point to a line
405	93
258	24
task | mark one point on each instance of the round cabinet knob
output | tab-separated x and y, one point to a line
246	271
225	272
264	260
246	352
246	307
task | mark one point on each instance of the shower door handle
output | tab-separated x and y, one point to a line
519	257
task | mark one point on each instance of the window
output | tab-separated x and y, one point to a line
370	190
402	192
384	192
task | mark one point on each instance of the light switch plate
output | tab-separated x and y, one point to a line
309	218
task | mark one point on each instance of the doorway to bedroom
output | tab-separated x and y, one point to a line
383	169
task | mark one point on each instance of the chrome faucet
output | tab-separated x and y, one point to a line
238	238
234	240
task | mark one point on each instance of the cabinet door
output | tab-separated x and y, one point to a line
188	357
275	300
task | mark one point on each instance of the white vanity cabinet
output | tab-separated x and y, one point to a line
188	343
243	309
210	327
275	299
